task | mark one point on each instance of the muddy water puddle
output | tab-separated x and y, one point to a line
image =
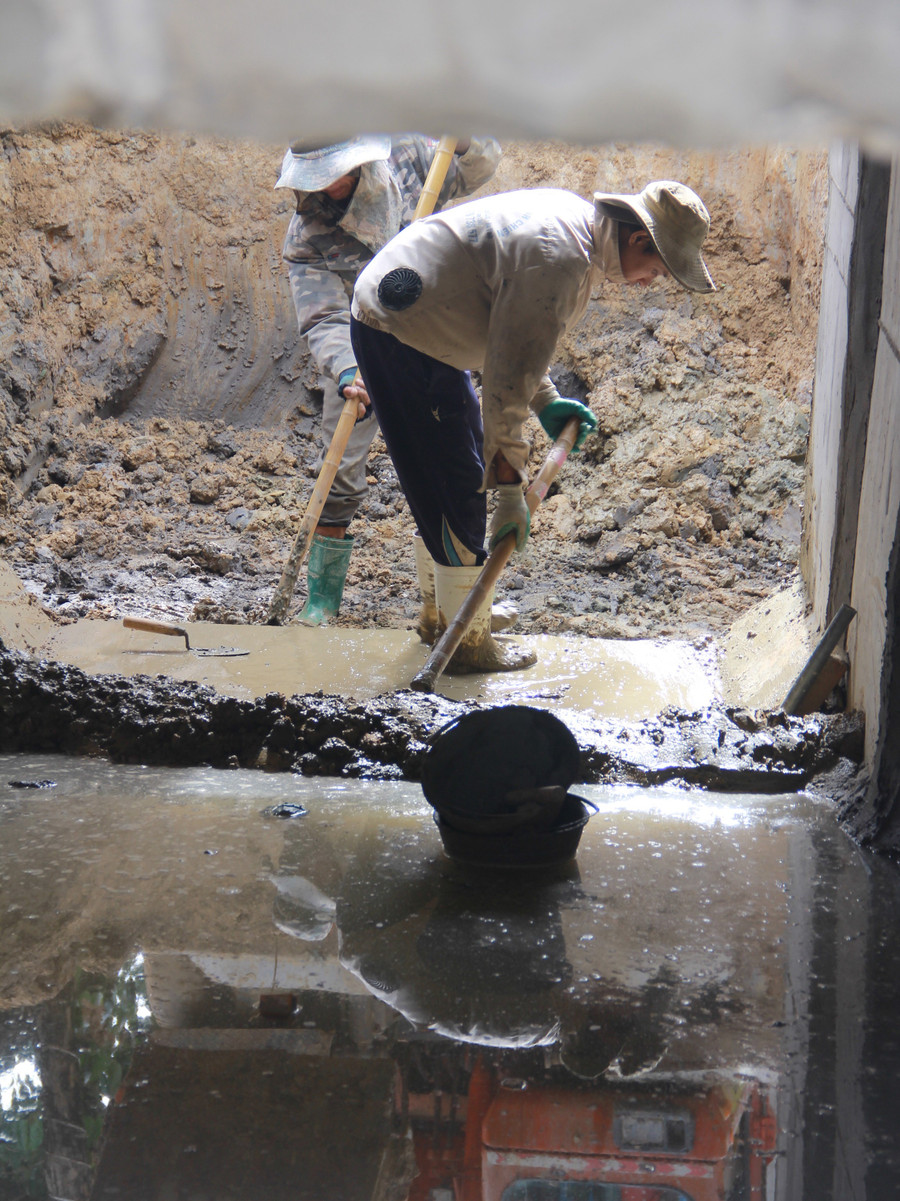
203	999
612	678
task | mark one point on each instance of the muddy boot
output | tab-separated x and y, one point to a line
503	614
426	625
478	651
329	559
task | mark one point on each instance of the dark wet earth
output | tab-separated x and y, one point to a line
52	707
240	984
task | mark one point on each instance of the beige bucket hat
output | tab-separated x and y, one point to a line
677	221
308	167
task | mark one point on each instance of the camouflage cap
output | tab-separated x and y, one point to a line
677	221
308	167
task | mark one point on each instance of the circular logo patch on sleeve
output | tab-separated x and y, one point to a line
400	288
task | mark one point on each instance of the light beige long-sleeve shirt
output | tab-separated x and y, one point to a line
501	279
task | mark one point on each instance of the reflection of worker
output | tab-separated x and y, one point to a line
491	285
477	960
351	199
484	960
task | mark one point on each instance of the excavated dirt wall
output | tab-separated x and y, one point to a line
158	412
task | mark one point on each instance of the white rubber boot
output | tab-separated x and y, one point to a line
503	614
478	651
426	625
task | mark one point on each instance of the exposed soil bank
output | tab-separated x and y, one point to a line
49	707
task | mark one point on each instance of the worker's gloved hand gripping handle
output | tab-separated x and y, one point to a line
351	378
554	415
510	513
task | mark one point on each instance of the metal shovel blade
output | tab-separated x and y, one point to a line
165	627
218	651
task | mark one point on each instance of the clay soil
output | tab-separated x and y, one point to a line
159	413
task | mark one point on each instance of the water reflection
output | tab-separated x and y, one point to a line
201	1001
61	1064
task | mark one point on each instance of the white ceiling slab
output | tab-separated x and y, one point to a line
692	73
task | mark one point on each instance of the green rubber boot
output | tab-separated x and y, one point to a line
329	559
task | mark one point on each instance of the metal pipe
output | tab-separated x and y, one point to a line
817	660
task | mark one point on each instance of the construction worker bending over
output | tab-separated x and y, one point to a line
352	198
491	285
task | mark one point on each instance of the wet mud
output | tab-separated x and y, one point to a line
51	707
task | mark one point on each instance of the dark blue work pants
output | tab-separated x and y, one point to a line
431	421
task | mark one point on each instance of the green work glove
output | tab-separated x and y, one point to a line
554	415
346	378
510	513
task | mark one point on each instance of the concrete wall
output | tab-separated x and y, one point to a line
879	506
874	643
852	521
827	434
848	335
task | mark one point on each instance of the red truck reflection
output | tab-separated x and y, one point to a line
545	1142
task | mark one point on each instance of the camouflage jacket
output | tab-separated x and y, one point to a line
328	244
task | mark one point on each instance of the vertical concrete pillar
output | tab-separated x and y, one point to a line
874	642
845	366
851	551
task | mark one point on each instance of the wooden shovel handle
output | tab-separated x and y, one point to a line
281	598
156	627
483	587
434	180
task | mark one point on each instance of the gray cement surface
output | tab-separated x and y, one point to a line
333	991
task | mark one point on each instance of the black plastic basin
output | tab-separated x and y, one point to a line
522	847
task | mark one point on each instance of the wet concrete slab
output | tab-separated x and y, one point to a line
296	1127
699	1005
